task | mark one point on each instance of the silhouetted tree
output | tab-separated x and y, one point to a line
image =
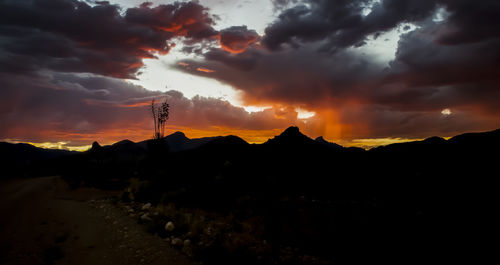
160	117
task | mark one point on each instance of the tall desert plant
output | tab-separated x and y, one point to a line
160	116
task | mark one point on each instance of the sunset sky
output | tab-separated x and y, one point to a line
357	72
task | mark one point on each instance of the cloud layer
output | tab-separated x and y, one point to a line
311	59
63	65
72	36
86	107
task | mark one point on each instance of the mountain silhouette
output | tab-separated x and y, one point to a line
24	159
225	142
96	146
312	195
477	140
331	145
25	153
292	138
178	141
433	143
125	146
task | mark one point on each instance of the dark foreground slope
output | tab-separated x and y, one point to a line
43	223
25	160
427	201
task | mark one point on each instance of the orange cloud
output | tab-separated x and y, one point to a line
172	28
206	70
237	39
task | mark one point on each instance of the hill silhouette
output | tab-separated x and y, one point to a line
291	136
396	203
26	160
179	142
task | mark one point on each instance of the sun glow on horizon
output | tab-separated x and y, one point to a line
446	112
62	145
304	114
250	136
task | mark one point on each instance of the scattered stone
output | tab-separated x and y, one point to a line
146	206
177	241
169	227
145	217
187	242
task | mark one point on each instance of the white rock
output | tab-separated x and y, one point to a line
146	206
169	227
145	217
177	241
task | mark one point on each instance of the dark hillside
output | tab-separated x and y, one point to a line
399	203
25	160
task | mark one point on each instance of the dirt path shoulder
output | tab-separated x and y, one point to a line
43	222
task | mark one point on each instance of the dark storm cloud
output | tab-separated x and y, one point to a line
300	76
58	102
432	73
451	63
341	22
85	107
72	36
236	39
245	62
61	60
471	21
188	19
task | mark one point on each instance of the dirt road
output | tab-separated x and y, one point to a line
43	222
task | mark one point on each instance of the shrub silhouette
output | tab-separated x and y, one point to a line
160	117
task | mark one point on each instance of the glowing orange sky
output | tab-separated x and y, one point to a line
228	68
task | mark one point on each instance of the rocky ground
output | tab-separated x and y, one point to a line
43	222
213	238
